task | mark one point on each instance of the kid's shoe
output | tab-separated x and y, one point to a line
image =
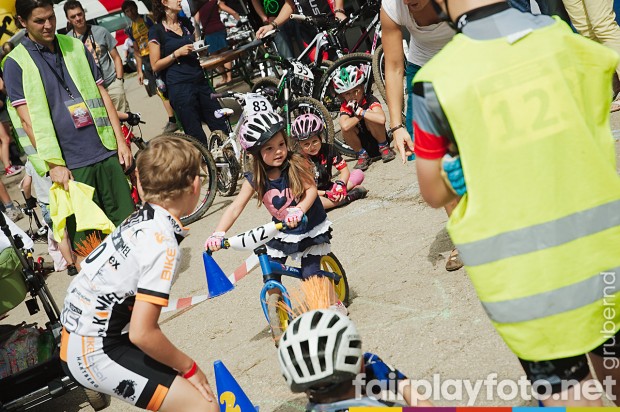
357	193
14	214
171	127
387	154
363	162
13	170
340	308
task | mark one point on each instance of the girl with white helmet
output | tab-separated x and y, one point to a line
284	183
307	131
321	354
362	119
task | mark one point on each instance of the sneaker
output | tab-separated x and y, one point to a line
72	270
363	162
13	170
171	127
357	193
340	308
14	214
387	154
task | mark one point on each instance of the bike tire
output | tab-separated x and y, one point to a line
329	98
330	263
209	187
378	68
301	105
278	317
227	177
97	400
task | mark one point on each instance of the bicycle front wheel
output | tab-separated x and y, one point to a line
278	316
228	172
208	185
330	263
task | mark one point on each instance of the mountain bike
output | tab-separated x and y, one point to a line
207	167
275	305
281	96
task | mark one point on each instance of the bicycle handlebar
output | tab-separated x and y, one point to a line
258	236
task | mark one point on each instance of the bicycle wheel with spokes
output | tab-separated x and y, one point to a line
332	102
330	263
208	184
228	172
278	316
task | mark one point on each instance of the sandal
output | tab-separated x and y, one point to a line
454	262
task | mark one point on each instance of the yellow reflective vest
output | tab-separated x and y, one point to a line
539	227
47	147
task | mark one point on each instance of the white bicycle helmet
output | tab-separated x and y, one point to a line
348	78
319	349
258	129
306	126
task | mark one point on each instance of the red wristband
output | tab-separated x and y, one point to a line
191	372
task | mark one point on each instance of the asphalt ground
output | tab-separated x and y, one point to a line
425	321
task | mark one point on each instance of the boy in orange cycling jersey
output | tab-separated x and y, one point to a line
111	340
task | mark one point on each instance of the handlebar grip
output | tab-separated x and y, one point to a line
273	57
299	17
221	95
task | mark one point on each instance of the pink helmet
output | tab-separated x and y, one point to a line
306	126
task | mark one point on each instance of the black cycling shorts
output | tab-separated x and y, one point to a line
557	373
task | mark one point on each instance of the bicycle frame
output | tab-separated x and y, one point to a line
271	268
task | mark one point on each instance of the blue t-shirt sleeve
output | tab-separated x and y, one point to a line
155	34
13	82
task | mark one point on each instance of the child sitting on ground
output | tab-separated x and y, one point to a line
327	338
307	130
111	340
42	186
362	119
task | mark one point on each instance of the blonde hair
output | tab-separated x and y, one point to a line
167	168
300	172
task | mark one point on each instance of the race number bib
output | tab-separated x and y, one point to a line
257	103
300	70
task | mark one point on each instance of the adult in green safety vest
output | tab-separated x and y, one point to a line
524	101
64	118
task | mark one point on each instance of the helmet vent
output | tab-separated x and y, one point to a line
355	344
296	327
305	349
332	322
350	360
316	318
321	350
291	355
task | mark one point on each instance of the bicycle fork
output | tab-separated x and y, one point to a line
270	270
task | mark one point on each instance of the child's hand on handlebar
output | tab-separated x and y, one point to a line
293	217
214	242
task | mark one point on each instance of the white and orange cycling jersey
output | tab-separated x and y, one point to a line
137	261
